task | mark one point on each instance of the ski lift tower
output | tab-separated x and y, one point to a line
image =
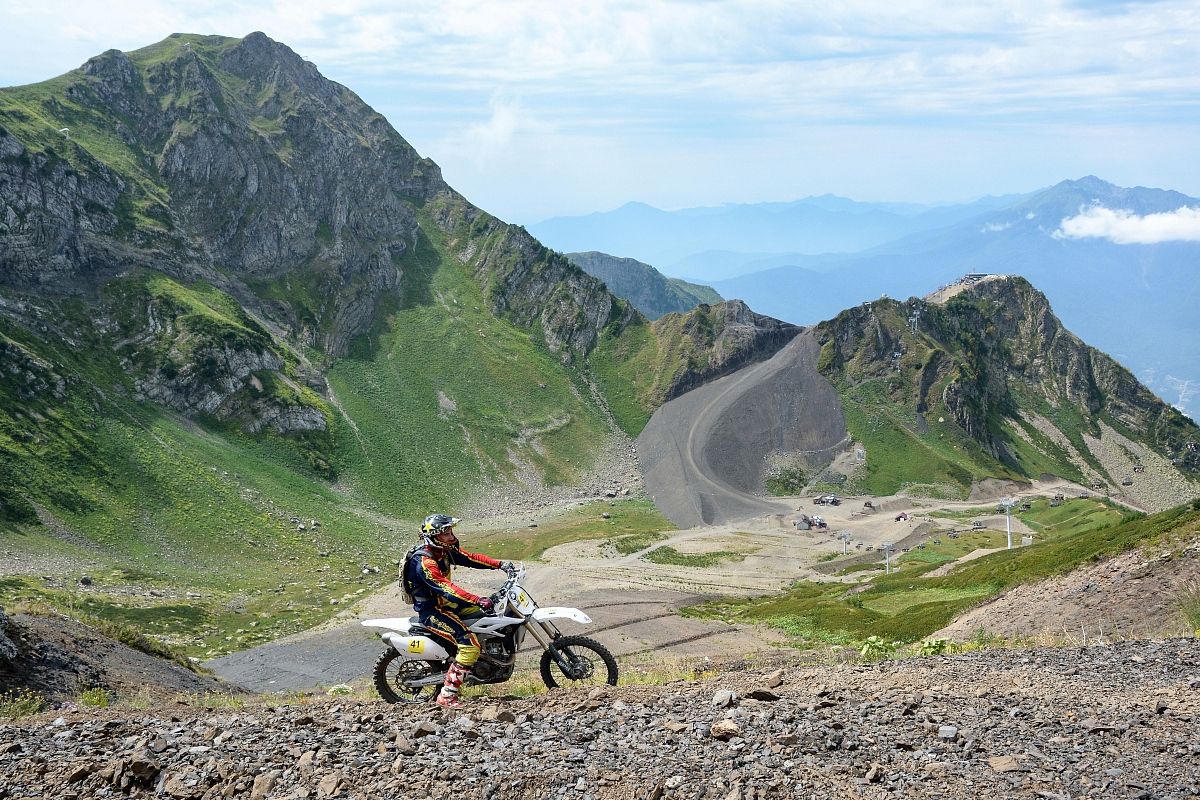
1007	504
845	537
887	548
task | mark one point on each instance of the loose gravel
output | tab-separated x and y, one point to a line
1116	721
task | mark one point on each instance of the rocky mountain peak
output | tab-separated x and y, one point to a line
989	357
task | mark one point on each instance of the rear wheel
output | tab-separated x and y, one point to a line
586	662
393	674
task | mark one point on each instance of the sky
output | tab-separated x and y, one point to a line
537	109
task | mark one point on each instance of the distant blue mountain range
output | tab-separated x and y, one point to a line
1138	302
678	242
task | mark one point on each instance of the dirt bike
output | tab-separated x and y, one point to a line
414	666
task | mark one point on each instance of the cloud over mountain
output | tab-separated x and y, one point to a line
1125	227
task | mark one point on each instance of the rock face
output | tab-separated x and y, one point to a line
29	375
997	362
8	650
196	356
1002	723
646	288
55	222
235	160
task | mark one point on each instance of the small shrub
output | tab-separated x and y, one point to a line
876	647
340	690
96	697
936	647
19	703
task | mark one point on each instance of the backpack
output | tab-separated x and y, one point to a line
406	589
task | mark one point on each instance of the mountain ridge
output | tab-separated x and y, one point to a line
650	292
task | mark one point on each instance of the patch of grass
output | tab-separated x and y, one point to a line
786	482
17	704
669	555
632	543
853	568
627	518
216	701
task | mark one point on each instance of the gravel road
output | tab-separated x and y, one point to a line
703	454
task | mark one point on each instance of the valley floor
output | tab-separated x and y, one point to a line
1115	721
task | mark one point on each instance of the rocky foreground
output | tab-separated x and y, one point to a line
1113	721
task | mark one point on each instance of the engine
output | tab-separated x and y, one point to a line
496	662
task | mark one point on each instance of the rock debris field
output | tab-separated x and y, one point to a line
1105	721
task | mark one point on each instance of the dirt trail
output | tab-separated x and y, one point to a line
703	454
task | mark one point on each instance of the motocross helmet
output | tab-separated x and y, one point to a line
438	531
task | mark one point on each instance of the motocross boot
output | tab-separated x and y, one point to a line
448	696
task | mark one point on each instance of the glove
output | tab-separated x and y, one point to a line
509	568
487	604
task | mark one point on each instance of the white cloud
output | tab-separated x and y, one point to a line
1125	227
494	136
995	227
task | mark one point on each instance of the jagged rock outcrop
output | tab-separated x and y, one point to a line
27	374
200	358
721	339
55	220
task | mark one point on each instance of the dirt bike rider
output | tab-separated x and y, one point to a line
440	603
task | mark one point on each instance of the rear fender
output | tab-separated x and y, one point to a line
401	624
415	648
561	612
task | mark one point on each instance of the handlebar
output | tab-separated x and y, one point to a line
501	595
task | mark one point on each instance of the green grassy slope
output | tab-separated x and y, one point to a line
906	606
446	394
637	365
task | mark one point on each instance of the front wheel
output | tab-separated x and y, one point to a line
393	674
586	662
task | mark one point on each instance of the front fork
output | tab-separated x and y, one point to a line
546	633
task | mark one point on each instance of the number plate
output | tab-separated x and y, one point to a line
416	645
522	601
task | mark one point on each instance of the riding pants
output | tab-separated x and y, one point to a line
449	628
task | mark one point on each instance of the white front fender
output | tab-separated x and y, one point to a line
561	612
